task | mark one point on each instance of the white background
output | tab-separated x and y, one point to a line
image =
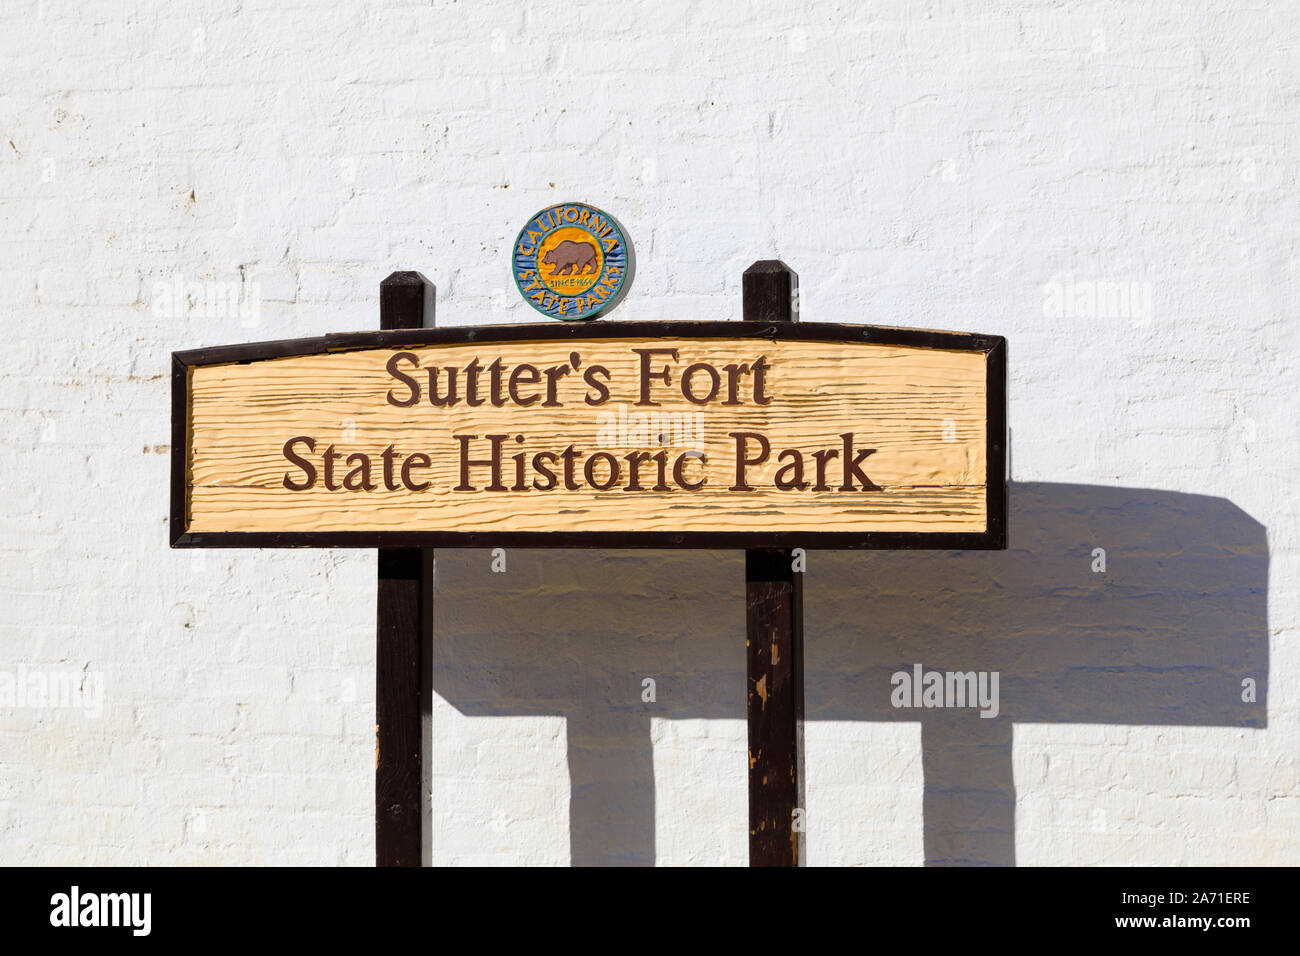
918	164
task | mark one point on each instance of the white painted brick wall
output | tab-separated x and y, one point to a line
919	164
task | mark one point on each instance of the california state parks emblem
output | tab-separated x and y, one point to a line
570	261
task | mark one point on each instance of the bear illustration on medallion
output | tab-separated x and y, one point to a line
568	254
571	262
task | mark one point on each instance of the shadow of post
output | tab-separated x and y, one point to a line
1165	635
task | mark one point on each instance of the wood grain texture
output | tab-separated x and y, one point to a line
923	409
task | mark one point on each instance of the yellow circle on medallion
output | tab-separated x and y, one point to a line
569	261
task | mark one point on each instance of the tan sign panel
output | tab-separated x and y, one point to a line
640	434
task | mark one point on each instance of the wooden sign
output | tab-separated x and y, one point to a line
627	434
765	434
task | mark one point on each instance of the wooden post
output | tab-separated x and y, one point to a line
774	643
403	609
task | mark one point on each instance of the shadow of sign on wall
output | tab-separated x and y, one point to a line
1165	636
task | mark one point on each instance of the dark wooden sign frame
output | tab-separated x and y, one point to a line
994	348
773	588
